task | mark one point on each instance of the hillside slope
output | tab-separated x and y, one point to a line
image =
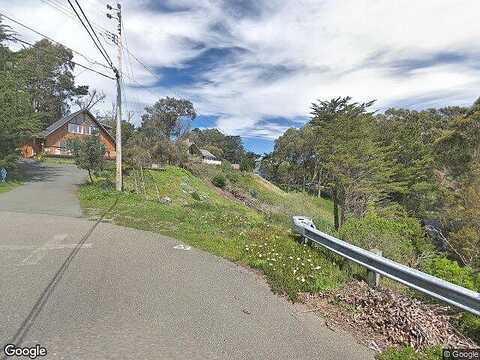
178	204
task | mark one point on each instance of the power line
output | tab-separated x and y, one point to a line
93	30
103	32
106	57
52	40
71	61
56	4
143	65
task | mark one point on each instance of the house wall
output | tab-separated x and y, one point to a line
30	149
54	141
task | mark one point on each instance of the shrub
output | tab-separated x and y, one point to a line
451	271
219	181
254	193
232	176
196	196
397	238
470	325
467	241
226	166
408	353
88	154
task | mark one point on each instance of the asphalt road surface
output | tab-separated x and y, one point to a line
87	290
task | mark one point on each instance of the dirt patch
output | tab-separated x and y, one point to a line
381	318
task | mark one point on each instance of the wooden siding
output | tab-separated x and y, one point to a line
53	143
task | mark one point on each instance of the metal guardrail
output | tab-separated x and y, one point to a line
440	289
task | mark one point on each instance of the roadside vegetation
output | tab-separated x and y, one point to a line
377	180
176	203
361	193
9	185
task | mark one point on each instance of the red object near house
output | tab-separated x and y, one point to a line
53	140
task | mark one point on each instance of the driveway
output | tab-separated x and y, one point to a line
93	290
49	189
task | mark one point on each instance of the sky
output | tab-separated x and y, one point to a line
252	67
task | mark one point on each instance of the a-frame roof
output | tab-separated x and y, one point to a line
59	123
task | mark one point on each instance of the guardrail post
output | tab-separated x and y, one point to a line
373	278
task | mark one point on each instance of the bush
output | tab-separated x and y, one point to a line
88	154
467	241
408	353
451	271
470	325
219	181
196	196
232	176
226	166
397	238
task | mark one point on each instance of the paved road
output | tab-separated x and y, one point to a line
51	189
98	291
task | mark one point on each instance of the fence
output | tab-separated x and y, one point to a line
439	289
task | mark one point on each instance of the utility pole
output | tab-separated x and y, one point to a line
118	73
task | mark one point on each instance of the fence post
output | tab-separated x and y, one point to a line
373	278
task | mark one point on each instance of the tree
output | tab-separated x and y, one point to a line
327	111
48	71
247	162
227	147
409	135
326	116
357	168
457	156
6	33
18	122
89	100
89	154
169	117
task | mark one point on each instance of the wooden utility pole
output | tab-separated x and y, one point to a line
118	73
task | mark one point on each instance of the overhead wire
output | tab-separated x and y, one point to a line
71	61
93	30
99	47
2	14
66	11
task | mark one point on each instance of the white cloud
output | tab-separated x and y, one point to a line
325	48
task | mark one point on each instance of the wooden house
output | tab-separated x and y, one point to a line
53	140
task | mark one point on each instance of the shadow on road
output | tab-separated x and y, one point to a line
33	171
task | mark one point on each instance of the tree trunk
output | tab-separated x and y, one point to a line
319	186
335	208
143	181
342	216
90	175
136	183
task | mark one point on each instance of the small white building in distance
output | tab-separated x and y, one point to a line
206	156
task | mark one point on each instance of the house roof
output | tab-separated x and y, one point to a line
206	153
59	123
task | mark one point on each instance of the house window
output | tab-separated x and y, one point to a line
74	128
80	129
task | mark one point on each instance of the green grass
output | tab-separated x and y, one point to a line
408	353
57	160
286	204
282	205
9	185
217	224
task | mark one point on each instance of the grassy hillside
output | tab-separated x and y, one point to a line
176	203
